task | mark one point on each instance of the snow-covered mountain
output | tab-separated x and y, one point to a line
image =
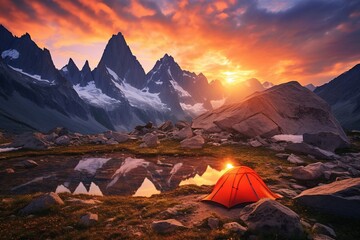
184	92
34	95
343	95
310	86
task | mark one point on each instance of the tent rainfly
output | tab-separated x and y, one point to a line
239	185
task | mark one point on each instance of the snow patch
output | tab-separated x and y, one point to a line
10	53
128	165
91	165
36	77
94	96
65	69
182	92
288	138
195	110
217	103
136	97
9	149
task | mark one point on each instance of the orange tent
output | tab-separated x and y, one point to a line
239	185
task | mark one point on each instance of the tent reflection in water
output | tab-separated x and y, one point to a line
239	185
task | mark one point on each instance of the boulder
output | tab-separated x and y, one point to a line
295	159
213	223
326	140
194	142
339	198
167	226
33	141
287	108
182	124
282	155
98	139
319	228
306	149
42	203
151	140
89	219
269	216
60	131
62	140
117	136
166	126
309	172
184	133
26	164
235	227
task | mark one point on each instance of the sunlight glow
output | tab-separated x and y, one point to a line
229	166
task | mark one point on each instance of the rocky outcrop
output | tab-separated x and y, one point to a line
325	140
339	198
42	203
288	108
269	216
310	172
88	219
167	226
194	142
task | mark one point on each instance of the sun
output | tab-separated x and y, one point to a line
230	80
229	166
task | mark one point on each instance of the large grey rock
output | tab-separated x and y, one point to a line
42	203
235	227
288	108
184	133
319	228
117	136
89	219
194	142
326	140
150	140
62	140
295	159
166	126
304	148
167	226
26	164
339	198
269	216
309	172
33	141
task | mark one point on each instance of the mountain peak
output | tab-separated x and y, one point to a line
167	59
72	65
26	36
86	66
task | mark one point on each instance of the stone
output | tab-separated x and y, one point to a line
321	237
286	192
26	164
166	126
182	124
306	149
51	137
235	227
62	140
42	203
98	139
193	143
89	219
295	159
117	136
184	133
255	143
9	170
308	173
271	217
282	155
111	142
319	228
151	140
338	198
32	141
60	131
213	223
287	108
167	226
326	140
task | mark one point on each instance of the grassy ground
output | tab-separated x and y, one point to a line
128	217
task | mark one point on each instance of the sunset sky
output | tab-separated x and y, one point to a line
277	41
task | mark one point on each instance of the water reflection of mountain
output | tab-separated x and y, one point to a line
123	176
